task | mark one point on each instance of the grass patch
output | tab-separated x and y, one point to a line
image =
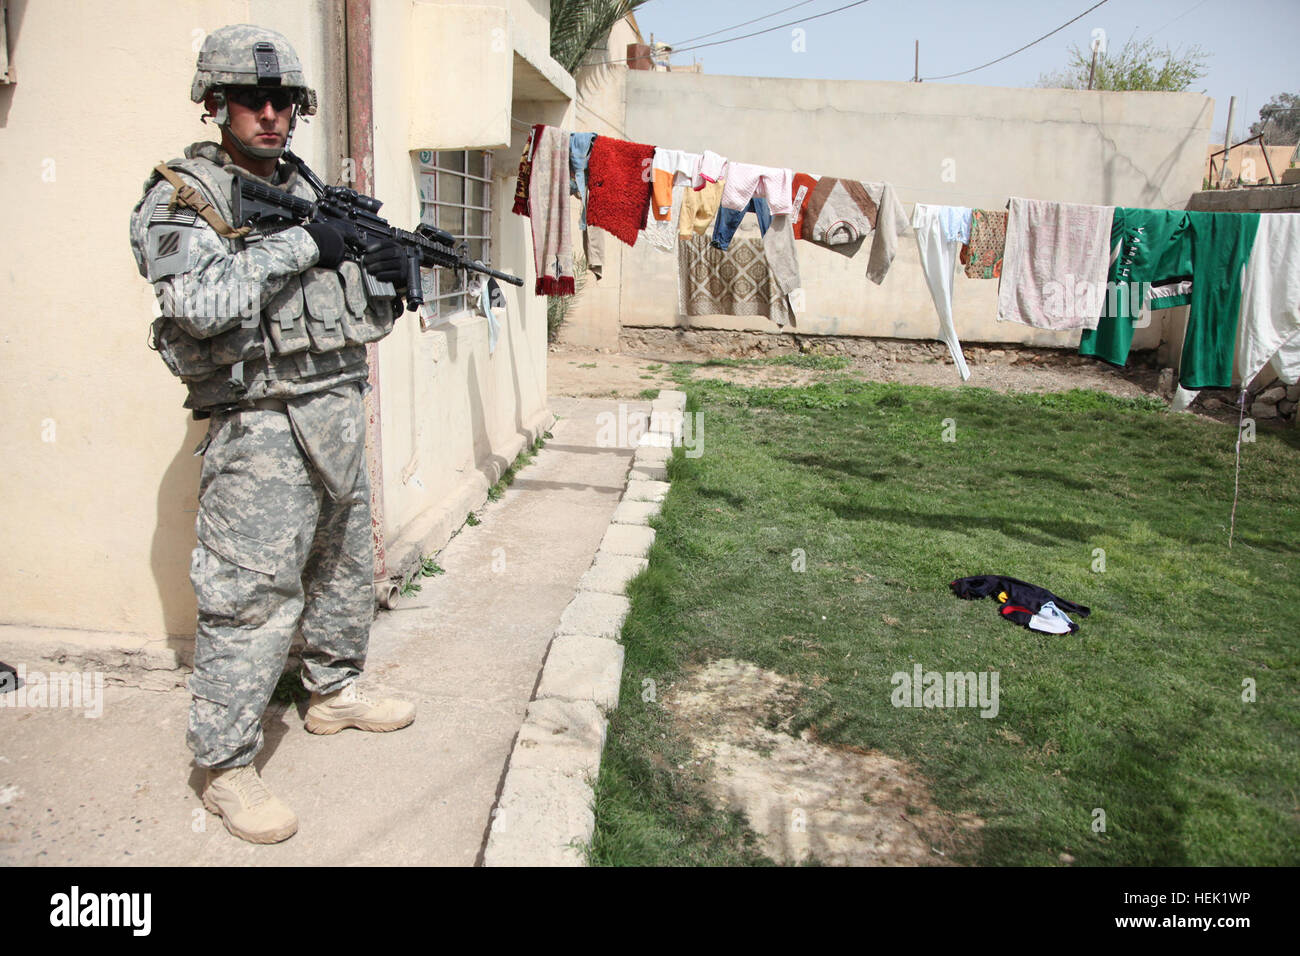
1140	714
521	460
808	360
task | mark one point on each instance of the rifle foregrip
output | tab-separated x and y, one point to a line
414	284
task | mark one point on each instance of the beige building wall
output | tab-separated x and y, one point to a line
100	483
937	143
592	318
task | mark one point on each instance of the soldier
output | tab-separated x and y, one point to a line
269	334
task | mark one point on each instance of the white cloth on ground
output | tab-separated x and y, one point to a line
939	263
1056	263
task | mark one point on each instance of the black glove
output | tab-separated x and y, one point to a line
385	261
329	240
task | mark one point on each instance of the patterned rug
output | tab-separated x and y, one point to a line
735	282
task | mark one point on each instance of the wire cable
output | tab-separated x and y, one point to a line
949	76
737	26
779	26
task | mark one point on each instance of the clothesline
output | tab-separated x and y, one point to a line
1083	284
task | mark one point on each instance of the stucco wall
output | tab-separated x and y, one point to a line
936	143
100	483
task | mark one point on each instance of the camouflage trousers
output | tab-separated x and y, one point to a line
277	554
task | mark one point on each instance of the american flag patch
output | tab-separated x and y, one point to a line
181	216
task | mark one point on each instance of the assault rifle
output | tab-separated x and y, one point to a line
357	217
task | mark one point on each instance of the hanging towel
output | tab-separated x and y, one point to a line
619	182
745	181
525	169
891	225
783	264
735	282
579	153
1057	257
548	205
729	220
802	186
1270	301
938	248
698	209
982	254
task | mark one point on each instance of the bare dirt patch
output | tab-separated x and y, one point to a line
806	799
587	373
581	372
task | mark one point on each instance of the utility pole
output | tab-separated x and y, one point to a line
1227	139
916	69
1092	70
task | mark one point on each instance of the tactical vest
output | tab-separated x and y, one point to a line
317	324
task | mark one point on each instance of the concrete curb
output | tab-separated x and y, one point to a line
544	816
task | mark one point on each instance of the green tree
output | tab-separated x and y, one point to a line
1139	65
577	26
1279	120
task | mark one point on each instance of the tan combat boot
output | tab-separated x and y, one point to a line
349	707
248	809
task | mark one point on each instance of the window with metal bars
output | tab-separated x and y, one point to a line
455	195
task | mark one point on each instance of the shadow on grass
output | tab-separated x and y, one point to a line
1031	529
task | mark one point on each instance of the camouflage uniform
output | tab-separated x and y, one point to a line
273	350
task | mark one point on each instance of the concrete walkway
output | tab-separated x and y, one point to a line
468	649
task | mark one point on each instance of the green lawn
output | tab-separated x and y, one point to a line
1139	714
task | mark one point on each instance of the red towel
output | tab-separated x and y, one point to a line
619	183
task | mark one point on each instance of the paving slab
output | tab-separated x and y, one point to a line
610	573
636	512
583	668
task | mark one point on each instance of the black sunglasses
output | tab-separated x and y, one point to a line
255	97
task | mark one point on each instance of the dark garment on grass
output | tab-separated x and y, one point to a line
1021	595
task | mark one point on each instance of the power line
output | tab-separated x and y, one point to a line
779	26
949	76
737	26
1177	18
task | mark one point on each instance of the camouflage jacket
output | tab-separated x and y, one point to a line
248	318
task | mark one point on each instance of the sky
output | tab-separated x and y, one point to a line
1253	45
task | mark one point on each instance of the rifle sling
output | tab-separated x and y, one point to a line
187	195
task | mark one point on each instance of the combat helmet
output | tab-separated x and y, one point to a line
246	55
